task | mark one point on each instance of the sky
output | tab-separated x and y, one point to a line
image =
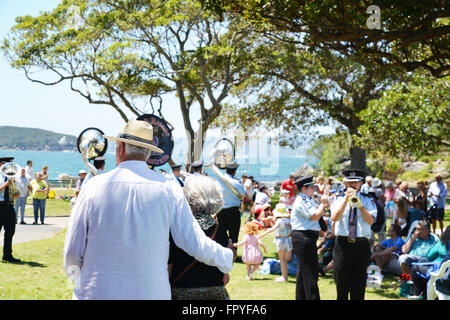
57	108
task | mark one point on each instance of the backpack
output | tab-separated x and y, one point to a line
377	226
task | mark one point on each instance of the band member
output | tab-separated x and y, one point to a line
197	167
7	215
117	241
352	230
176	173
233	190
99	164
305	217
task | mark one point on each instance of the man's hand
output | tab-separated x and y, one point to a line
226	278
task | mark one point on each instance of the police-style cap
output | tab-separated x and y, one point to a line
354	175
304	181
196	164
6	159
232	166
176	167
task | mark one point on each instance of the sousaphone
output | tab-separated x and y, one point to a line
91	144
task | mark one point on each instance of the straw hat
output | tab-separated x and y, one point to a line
138	133
280	211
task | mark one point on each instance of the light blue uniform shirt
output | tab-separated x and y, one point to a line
362	228
229	197
90	175
302	210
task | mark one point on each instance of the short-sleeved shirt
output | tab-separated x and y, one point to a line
41	185
362	227
420	247
437	189
289	186
399	242
302	210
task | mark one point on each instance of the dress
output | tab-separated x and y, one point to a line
251	253
283	239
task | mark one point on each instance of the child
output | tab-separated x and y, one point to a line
251	255
282	239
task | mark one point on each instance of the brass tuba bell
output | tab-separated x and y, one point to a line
10	171
91	144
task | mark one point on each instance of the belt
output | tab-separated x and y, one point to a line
350	240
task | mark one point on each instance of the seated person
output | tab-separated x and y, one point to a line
264	215
437	254
417	246
326	247
387	252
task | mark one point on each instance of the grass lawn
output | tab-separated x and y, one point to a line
41	276
53	207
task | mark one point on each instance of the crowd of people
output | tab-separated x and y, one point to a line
176	236
409	248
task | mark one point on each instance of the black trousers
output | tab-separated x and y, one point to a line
230	219
7	221
420	283
305	249
350	267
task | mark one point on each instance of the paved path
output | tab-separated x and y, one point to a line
30	232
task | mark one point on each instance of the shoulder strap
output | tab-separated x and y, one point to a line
189	267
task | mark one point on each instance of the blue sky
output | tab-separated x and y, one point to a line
57	108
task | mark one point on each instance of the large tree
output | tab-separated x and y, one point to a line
294	88
410	34
126	54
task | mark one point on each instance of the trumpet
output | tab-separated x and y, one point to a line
354	201
11	170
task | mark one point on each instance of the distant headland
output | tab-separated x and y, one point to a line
20	138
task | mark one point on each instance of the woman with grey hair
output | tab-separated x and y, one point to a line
190	279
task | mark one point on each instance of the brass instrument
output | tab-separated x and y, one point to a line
10	171
223	153
354	202
91	144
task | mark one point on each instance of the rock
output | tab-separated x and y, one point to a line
63	176
415	166
304	170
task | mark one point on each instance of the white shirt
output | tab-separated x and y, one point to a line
118	235
437	190
248	186
21	184
29	173
260	199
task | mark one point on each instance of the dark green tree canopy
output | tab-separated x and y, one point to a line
411	34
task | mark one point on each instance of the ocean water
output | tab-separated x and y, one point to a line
264	169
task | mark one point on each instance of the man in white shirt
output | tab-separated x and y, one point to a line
437	194
29	173
117	242
22	185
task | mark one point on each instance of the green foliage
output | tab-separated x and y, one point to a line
412	34
34	139
332	151
410	118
